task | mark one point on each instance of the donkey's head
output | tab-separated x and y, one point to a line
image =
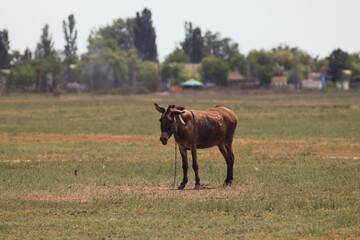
168	121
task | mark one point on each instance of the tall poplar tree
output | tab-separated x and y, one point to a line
193	43
338	61
4	49
145	36
47	64
187	44
45	46
70	37
197	46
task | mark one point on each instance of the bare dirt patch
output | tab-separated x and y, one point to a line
89	193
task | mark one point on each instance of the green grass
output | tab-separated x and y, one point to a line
297	169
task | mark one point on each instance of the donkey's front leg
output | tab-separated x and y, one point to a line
185	167
196	168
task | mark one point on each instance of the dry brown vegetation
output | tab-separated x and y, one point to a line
91	167
321	147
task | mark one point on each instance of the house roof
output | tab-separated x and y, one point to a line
191	83
235	76
279	79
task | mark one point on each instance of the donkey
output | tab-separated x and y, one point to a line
194	129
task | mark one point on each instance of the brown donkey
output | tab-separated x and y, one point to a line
194	129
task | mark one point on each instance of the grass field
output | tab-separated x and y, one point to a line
297	169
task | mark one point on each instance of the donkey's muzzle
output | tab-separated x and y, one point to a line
164	139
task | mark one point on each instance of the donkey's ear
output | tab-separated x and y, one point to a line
158	108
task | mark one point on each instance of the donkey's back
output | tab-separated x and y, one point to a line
214	126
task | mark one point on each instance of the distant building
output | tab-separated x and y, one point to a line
235	78
279	81
4	77
346	79
315	81
323	76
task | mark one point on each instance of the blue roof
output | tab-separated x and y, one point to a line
191	83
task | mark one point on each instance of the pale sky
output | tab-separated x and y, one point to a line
316	26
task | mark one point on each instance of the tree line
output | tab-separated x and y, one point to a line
122	56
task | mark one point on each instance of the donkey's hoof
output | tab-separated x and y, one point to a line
227	183
181	186
197	186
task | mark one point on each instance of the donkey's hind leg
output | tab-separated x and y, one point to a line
195	168
229	164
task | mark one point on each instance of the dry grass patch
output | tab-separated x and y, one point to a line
100	138
325	148
56	147
89	193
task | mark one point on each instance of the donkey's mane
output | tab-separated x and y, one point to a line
180	107
176	107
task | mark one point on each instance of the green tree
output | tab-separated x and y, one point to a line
45	46
197	46
4	49
23	75
212	44
338	61
145	36
70	39
354	66
177	56
297	73
187	44
292	62
166	73
48	72
237	62
112	59
27	56
223	48
15	58
133	65
290	57
105	65
193	43
70	73
149	76
260	62
171	73
285	59
215	70
96	43
120	30
321	63
47	63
